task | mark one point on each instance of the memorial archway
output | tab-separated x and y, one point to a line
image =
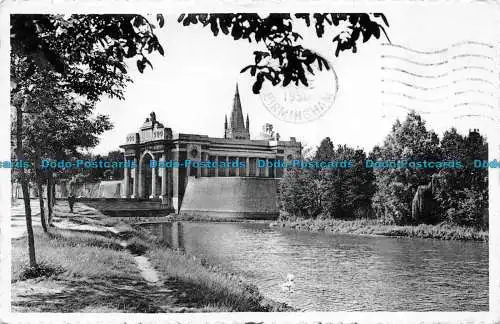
146	176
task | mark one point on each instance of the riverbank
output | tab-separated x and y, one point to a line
372	227
91	263
187	218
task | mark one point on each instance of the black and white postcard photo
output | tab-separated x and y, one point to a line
314	162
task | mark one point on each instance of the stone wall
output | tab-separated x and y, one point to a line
103	189
231	197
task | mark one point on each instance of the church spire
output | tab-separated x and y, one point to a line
237	114
225	126
236	128
248	123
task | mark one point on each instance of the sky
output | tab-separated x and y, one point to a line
191	88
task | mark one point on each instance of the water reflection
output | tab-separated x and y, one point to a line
343	272
170	233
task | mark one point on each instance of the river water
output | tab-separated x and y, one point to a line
342	272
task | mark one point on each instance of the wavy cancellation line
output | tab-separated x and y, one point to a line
463	92
384	56
436	110
459	79
407	96
472	43
442	50
427	71
450	79
473	67
473	55
477	116
475	104
476	80
415	74
393	116
410	85
441	86
463	116
437	76
442	62
410	109
456	94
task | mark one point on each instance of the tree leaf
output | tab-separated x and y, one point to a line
121	67
160	19
138	20
146	61
257	86
305	16
140	66
160	50
246	68
214	27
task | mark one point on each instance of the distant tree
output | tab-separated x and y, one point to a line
453	145
360	186
333	193
395	188
301	189
325	150
116	156
91	174
347	192
300	193
98	174
284	60
463	197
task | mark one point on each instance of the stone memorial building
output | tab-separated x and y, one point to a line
231	187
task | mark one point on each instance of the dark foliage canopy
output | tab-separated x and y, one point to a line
88	52
285	60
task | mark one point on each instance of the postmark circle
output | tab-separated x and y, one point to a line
299	104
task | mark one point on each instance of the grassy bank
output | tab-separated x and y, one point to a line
89	271
211	285
372	227
78	272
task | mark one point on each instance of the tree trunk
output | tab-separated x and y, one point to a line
42	207
53	190
24	183
39	183
50	197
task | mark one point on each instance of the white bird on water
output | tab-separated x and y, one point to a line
289	284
